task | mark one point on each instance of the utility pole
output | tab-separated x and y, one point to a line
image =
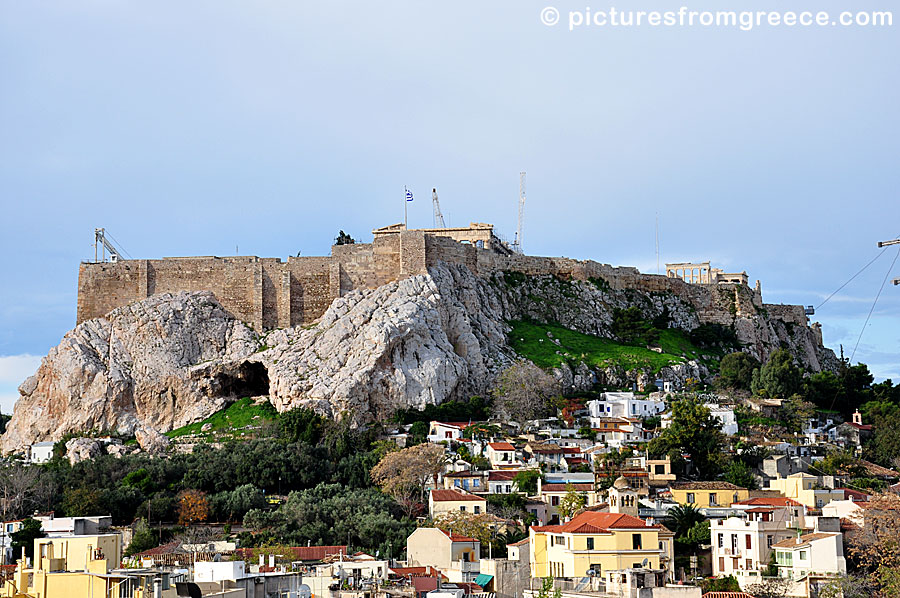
896	281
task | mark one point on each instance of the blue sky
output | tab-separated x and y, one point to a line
195	128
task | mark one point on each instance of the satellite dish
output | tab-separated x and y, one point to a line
304	591
645	562
591	572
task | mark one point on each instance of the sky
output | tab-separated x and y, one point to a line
262	128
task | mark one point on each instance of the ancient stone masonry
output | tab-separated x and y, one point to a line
268	293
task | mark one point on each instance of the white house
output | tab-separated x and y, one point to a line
624	404
502	455
742	545
811	557
724	415
449	431
40	452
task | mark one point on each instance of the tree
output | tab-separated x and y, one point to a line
572	502
738	473
143	538
630	327
466	524
682	518
693	431
301	424
527	480
404	474
193	507
772	587
779	377
736	370
523	391
344	239
233	505
25	537
18	485
848	586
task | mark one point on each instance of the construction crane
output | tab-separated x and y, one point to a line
104	245
517	243
438	217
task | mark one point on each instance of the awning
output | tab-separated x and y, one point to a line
483	579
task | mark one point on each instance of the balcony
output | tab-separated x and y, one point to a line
466	566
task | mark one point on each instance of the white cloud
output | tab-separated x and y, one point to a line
14	369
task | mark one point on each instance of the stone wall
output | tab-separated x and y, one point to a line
268	293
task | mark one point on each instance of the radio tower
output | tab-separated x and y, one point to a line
517	244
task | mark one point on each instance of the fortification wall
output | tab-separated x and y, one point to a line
268	293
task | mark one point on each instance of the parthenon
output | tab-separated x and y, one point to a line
702	273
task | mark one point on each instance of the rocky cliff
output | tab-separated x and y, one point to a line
173	359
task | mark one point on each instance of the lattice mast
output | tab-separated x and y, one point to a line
517	244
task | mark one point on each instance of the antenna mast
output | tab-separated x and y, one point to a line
517	244
438	217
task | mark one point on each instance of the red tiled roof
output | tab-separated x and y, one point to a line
168	548
572	450
457	537
727	595
428	571
452	495
704	486
856	495
459	425
562	487
594	522
501	476
501	446
770	501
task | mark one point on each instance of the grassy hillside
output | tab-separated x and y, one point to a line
229	421
530	340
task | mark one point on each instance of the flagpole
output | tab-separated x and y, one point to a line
405	201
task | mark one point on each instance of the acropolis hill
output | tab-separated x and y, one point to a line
416	317
268	293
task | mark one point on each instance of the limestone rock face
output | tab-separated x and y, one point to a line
173	359
129	370
82	449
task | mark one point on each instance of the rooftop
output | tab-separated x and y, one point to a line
588	522
704	486
802	540
769	501
501	446
452	495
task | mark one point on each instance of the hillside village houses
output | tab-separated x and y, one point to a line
595	522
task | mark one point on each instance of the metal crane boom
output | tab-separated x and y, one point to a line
104	246
438	217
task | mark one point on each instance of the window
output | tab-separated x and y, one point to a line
462	509
721	540
554	501
721	564
769	541
590	543
635	541
749	564
749	542
802	555
478	510
690	498
713	501
476	483
659	469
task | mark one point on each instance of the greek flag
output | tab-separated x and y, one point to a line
409	196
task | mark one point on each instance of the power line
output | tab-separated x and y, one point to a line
883	282
880	253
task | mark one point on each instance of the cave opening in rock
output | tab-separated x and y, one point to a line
251	379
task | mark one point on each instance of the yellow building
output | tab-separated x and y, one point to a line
452	501
807	489
600	542
708	494
71	566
